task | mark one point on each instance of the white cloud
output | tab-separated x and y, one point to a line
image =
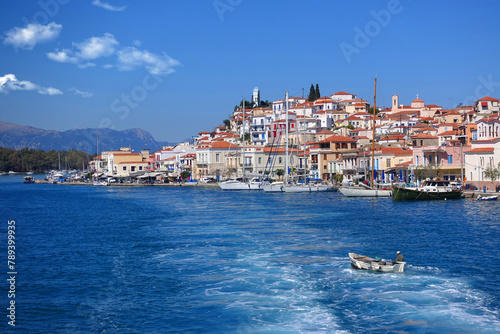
130	58
107	6
64	56
97	47
34	33
81	93
9	82
49	91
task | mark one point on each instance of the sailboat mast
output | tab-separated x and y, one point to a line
286	137
373	125
243	127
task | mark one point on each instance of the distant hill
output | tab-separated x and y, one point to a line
19	136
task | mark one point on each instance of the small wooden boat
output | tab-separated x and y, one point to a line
364	262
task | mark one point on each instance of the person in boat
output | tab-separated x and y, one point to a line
400	258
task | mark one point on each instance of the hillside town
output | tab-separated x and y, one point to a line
330	138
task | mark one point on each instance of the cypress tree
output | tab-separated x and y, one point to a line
312	94
317	92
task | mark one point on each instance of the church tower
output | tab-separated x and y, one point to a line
395	103
256	97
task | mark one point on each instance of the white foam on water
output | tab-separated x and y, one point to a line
424	296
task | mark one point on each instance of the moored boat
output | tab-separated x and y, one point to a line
365	191
240	184
364	262
28	179
486	198
431	190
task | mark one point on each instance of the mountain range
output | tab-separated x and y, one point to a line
19	136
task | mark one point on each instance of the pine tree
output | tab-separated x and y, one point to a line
317	92
312	94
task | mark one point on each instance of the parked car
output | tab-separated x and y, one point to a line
470	187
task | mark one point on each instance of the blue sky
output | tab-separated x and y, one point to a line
175	68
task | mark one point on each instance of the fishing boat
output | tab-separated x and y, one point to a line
364	262
365	190
486	198
431	190
28	179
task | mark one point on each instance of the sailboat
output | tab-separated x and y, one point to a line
241	183
368	191
306	187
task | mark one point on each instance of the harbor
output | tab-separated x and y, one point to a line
213	261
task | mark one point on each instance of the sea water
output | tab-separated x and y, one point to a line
200	260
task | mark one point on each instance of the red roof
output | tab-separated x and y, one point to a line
338	139
481	149
341	93
488	98
447	133
424	136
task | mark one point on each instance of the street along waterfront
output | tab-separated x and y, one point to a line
189	259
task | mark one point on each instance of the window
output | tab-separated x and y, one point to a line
260	160
132	168
279	160
388	163
450	159
124	167
140	167
217	157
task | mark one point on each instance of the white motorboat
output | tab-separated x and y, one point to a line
364	262
100	183
240	184
486	198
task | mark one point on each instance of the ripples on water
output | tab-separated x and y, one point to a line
172	260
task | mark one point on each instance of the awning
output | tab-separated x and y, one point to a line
484	104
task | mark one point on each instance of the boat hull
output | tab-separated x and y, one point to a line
275	187
362	192
308	188
228	185
407	194
368	263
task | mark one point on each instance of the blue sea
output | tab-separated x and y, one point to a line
200	260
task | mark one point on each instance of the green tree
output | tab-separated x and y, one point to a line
227	124
370	111
280	172
427	172
265	104
492	173
312	94
185	174
318	95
